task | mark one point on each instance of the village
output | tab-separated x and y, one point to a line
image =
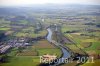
21	42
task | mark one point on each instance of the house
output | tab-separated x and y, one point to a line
5	48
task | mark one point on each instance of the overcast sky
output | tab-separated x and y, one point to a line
29	2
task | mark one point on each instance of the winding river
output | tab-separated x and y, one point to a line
65	52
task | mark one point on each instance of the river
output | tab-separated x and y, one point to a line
65	52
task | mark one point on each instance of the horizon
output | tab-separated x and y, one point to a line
49	5
13	3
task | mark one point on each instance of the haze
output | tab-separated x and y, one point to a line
30	2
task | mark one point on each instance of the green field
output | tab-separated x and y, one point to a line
22	61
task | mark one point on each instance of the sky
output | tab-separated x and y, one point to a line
30	2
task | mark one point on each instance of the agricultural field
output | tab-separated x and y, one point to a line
31	54
86	40
25	35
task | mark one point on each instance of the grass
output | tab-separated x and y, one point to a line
5	28
74	48
80	40
44	47
23	61
72	27
65	28
20	34
43	44
49	51
94	46
27	57
88	43
96	63
24	22
31	34
27	53
13	52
